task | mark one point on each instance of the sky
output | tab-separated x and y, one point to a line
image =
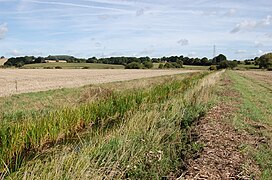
240	29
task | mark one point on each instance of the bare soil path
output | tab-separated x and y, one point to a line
221	157
16	81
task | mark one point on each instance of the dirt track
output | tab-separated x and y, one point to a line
44	79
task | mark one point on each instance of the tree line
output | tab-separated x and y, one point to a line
218	62
172	61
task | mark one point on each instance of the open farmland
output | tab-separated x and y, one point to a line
192	125
21	81
2	61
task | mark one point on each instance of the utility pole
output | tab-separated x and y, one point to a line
214	51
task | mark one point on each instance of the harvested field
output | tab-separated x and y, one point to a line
2	61
263	76
14	81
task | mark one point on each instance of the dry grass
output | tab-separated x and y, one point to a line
22	81
2	61
263	76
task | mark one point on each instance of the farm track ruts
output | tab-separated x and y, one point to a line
14	81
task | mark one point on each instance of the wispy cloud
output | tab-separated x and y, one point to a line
3	30
241	51
183	42
252	24
78	5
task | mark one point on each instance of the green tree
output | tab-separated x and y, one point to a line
219	58
160	66
265	61
148	64
133	65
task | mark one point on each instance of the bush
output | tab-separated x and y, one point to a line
265	61
148	64
160	66
133	65
86	67
213	68
227	64
47	67
58	67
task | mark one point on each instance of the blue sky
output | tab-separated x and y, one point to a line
84	28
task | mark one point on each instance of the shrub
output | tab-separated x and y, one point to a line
133	65
168	65
227	64
47	67
213	68
148	64
160	66
58	67
86	67
265	61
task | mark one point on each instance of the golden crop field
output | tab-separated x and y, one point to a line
15	81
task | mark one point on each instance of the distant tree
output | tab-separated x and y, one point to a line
247	62
2	57
148	64
160	66
219	58
133	65
213	68
266	61
227	64
168	65
91	60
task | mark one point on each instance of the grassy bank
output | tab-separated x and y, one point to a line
252	101
121	128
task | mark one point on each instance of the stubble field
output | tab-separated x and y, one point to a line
14	81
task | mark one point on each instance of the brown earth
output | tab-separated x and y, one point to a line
15	81
221	157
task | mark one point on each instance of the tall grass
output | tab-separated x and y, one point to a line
21	140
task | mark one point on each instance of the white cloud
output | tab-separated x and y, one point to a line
252	24
231	12
192	54
258	44
15	53
241	51
183	42
140	12
3	30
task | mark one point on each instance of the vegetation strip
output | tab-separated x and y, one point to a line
150	143
19	139
254	117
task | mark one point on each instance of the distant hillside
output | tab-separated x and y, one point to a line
2	61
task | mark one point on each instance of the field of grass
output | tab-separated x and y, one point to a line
140	129
253	115
246	67
122	130
73	66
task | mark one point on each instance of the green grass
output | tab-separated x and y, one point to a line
246	67
130	133
16	106
254	111
73	66
190	67
186	67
